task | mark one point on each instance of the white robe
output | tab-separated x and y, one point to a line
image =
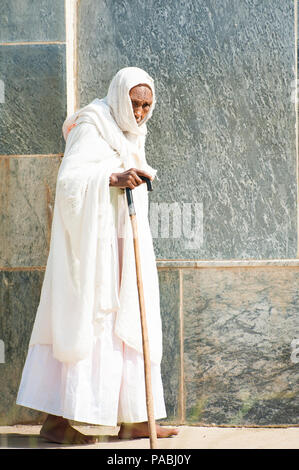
106	388
80	283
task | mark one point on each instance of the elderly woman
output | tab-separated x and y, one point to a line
85	360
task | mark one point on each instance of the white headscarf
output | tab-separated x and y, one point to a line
115	120
119	101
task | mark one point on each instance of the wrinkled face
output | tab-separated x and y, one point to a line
142	99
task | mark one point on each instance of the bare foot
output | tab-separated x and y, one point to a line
57	429
137	430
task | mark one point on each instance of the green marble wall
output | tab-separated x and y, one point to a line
223	132
222	135
32	110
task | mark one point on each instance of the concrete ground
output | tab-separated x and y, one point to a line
190	437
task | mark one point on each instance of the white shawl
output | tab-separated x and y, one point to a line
80	285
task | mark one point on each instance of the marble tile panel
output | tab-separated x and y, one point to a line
33	105
170	366
27	202
239	325
27	20
19	298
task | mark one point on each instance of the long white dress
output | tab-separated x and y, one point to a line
107	387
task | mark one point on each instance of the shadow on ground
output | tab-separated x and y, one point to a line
35	441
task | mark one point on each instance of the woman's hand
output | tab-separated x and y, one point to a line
128	179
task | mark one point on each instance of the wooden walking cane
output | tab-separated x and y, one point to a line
145	343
